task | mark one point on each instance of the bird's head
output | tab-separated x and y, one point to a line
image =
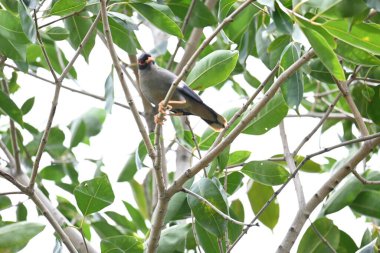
145	60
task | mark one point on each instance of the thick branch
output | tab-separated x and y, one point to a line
320	195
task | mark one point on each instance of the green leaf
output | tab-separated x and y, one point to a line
35	57
27	22
78	132
11	29
5	202
78	27
364	36
238	157
236	212
160	16
282	21
109	92
207	240
134	163
122	243
94	195
66	7
178	207
343	196
346	243
12	49
325	53
94	120
53	172
204	214
121	220
15	236
270	116
27	106
367	203
293	86
258	195
58	33
234	182
122	34
373	106
320	72
136	216
266	172
21	212
224	8
173	239
8	107
356	55
312	243
139	196
236	29
213	69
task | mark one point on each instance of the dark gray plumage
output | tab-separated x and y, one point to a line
155	82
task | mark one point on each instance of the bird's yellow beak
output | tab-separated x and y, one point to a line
149	60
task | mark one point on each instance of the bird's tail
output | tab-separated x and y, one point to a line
217	122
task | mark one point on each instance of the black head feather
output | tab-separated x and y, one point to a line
143	60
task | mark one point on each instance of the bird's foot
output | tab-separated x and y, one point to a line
162	109
158	119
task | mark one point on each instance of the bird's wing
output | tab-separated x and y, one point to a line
186	91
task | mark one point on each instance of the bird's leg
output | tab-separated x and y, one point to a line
162	109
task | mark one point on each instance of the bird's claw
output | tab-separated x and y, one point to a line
162	109
159	120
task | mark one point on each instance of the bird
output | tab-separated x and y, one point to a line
155	83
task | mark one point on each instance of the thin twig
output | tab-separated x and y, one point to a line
225	216
53	108
183	29
320	123
187	122
13	131
10	193
339	116
72	89
40	5
292	166
363	180
365	79
300	165
59	19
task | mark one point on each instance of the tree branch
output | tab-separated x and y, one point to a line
127	93
9	155
53	108
292	166
330	185
343	86
363	180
